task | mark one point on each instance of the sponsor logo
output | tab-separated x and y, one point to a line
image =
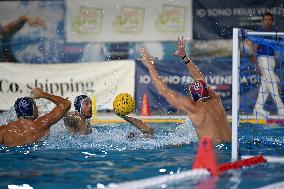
172	19
58	88
88	20
130	20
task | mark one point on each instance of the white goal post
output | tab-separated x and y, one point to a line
236	82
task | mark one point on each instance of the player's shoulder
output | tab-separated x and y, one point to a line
213	94
72	116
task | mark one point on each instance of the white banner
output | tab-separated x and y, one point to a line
110	21
104	80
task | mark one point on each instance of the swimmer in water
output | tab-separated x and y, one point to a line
203	107
78	122
29	127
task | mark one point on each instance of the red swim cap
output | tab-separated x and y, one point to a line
199	90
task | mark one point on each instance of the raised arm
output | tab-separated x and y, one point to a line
191	67
62	107
13	27
1	134
143	127
175	99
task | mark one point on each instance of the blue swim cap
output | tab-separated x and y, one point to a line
78	103
24	107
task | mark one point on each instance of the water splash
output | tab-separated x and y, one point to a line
114	137
8	116
108	137
104	137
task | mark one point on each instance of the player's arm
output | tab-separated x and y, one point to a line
2	134
13	27
191	67
253	50
143	127
57	113
213	93
175	99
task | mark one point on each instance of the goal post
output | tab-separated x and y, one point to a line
249	100
235	92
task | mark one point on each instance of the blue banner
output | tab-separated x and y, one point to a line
216	19
216	72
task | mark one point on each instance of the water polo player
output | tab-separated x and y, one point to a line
79	121
30	128
203	107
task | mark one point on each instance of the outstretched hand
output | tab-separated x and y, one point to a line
146	58
180	45
36	93
35	21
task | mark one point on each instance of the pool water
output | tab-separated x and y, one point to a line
106	156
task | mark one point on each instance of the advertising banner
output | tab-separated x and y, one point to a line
103	80
217	74
216	19
147	20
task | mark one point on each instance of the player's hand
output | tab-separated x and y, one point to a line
180	45
120	115
37	93
35	21
146	58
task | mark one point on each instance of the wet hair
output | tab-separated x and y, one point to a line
78	102
268	14
24	107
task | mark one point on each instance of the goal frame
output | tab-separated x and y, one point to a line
237	32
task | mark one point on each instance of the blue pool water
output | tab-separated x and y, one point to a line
106	156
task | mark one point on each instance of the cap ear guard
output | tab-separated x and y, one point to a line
24	107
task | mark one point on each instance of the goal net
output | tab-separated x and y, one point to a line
257	100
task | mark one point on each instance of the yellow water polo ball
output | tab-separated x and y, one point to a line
123	104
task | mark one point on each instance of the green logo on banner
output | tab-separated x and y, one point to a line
130	20
88	21
172	19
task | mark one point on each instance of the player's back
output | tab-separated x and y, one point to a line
21	132
210	120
